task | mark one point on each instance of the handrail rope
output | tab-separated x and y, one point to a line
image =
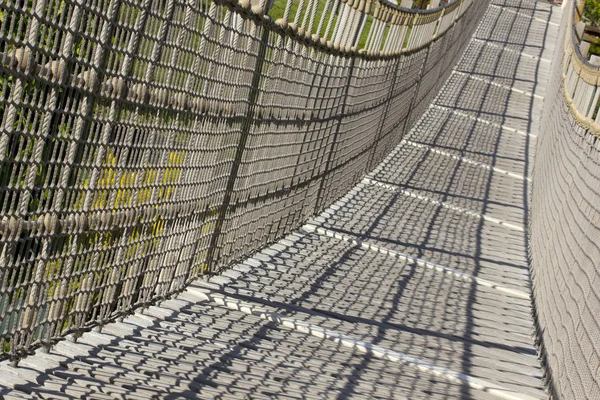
574	62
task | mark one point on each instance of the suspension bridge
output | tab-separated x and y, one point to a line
323	199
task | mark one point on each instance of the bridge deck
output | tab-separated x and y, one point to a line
414	285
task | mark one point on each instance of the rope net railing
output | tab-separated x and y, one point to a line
146	143
565	220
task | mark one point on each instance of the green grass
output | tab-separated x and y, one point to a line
278	10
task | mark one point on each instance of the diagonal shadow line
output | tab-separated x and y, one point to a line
453	195
294	307
365	237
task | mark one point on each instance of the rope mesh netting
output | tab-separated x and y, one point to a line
145	143
565	223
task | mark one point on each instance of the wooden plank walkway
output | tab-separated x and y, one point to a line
414	285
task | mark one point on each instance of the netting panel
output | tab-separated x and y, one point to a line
145	143
565	237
